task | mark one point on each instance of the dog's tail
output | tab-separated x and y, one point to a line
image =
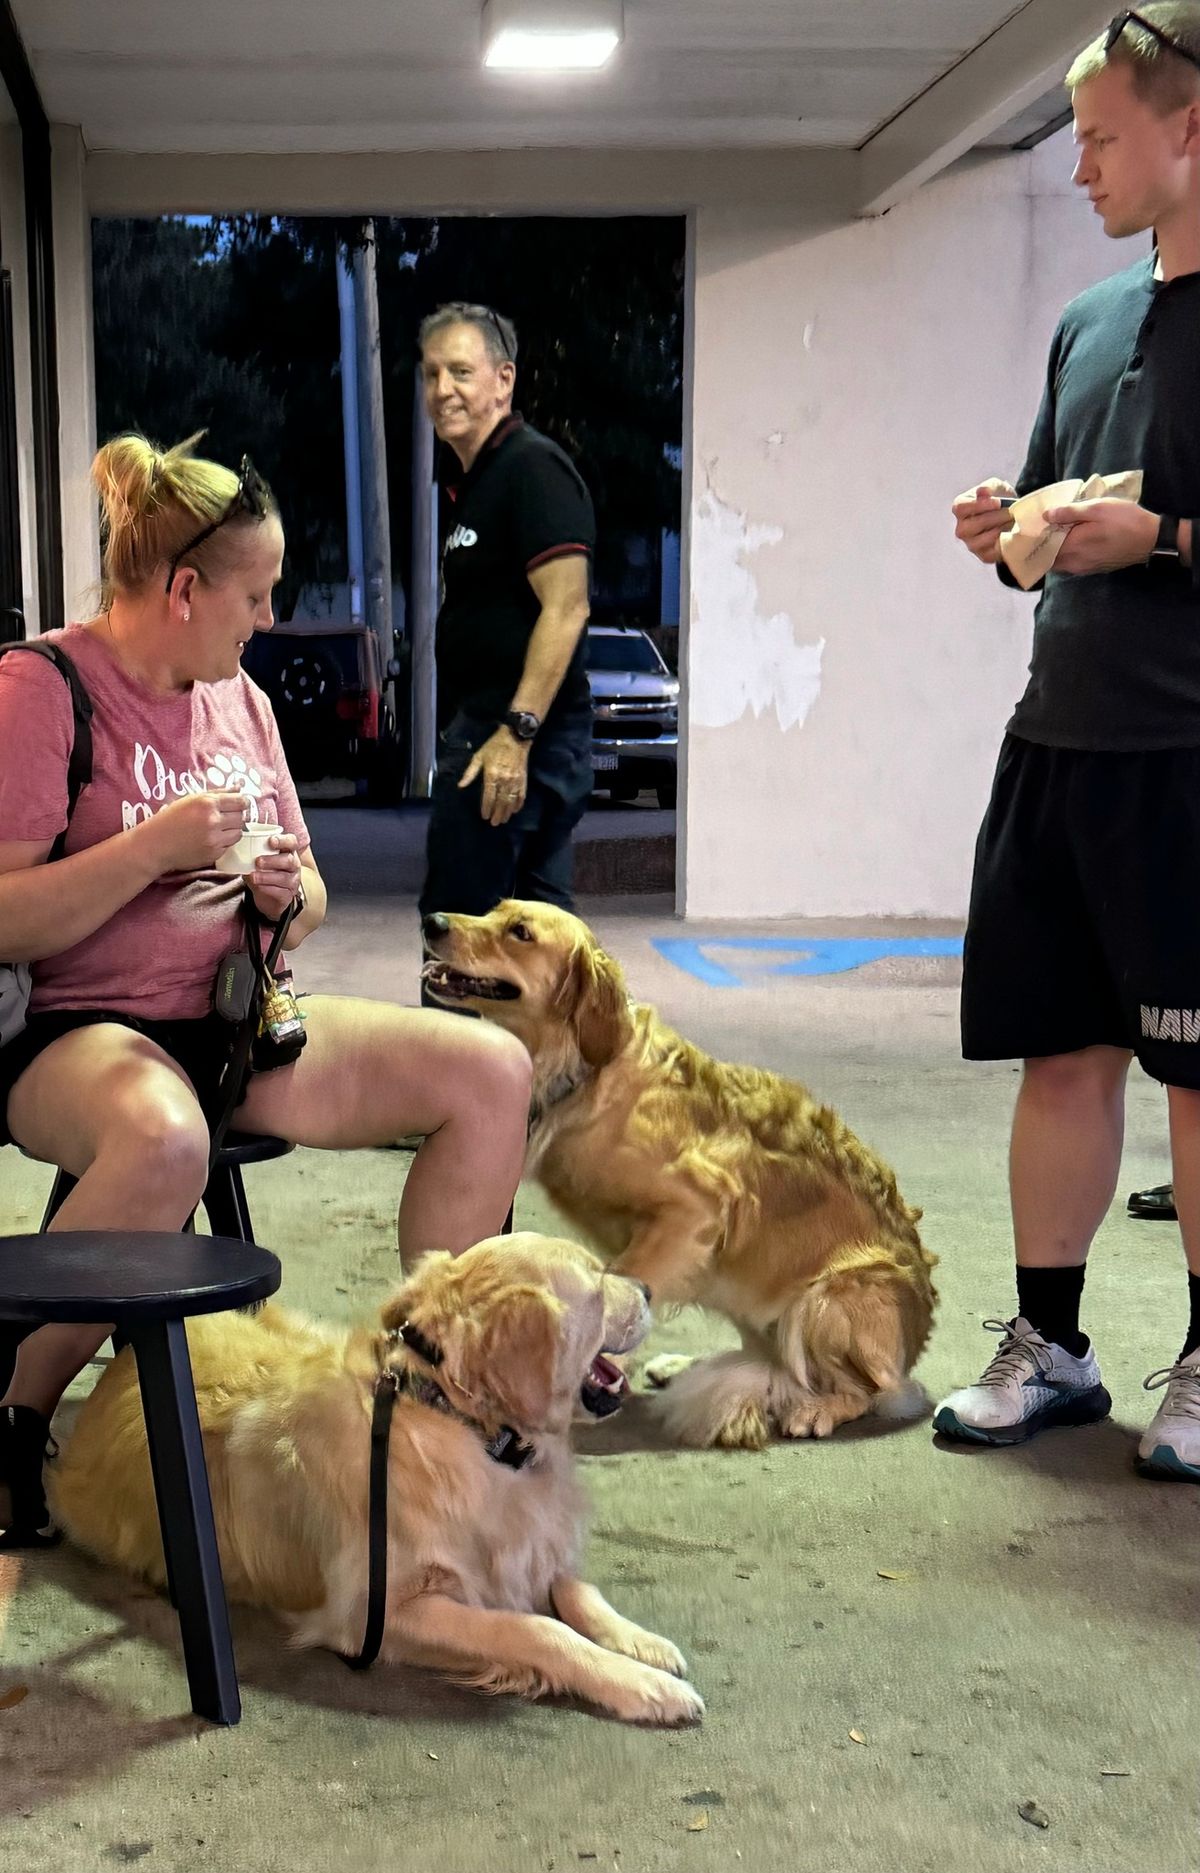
723	1400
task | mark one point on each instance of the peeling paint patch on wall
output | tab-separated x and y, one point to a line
742	660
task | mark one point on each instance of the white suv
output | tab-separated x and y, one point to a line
635	737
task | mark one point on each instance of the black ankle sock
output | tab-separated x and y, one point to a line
1193	1332
1049	1299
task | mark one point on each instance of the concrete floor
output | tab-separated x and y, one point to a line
1042	1630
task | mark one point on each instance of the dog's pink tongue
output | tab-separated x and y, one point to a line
608	1376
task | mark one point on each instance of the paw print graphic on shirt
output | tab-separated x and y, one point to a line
234	775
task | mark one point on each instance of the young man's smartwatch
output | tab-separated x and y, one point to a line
522	723
1167	544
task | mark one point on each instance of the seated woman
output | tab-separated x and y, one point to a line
115	1074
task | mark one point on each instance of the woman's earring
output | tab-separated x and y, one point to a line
187	617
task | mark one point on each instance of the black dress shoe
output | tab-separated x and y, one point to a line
1156	1206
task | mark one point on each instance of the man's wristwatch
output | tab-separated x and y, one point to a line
1167	544
522	723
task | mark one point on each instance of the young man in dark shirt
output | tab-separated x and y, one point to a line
1083	941
514	768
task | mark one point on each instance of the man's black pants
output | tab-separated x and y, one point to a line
470	865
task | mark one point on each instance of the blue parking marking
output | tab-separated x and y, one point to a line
797	956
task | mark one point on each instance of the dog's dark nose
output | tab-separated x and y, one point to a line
435	925
642	1286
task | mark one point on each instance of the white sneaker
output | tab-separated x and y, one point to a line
1171	1445
1030	1385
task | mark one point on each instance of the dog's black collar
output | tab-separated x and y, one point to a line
506	1447
554	1092
425	1349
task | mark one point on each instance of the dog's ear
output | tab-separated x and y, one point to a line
507	1354
398	1306
594	999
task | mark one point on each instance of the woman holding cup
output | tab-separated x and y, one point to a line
115	1075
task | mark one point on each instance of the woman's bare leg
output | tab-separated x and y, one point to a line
109	1107
372	1072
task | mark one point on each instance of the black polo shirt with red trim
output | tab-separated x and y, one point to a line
521	504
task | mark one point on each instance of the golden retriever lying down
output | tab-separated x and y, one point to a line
720	1185
482	1556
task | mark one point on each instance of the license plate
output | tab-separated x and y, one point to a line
604	764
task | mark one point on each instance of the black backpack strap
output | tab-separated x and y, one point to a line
79	768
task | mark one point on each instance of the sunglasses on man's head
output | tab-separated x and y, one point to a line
1130	18
472	313
252	496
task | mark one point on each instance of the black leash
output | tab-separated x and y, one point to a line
387	1390
507	1447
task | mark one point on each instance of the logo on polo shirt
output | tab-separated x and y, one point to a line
462	536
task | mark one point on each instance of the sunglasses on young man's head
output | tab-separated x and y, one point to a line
252	496
1130	18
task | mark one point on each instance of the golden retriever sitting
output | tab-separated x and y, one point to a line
482	1554
720	1185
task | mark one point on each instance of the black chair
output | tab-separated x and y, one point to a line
148	1284
225	1195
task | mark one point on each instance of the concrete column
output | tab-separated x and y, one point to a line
351	432
76	371
13	257
377	551
423	599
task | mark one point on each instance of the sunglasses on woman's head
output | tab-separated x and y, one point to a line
252	496
1129	18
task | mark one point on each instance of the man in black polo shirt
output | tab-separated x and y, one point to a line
514	769
1083	941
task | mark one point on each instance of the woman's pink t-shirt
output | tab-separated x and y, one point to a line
158	956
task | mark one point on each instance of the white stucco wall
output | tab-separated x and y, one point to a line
849	667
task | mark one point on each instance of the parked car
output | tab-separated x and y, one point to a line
635	737
334	703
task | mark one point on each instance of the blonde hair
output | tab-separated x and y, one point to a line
1160	78
153	502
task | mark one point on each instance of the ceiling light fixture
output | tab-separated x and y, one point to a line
551	35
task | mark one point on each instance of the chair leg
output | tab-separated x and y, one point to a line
225	1203
186	1518
12	1332
60	1190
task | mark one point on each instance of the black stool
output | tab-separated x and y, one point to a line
148	1285
225	1195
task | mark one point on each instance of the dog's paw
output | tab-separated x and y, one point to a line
819	1416
647	1647
641	1694
665	1367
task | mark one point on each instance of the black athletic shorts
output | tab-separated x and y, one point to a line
201	1047
1084	928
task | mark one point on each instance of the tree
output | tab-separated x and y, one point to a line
231	328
